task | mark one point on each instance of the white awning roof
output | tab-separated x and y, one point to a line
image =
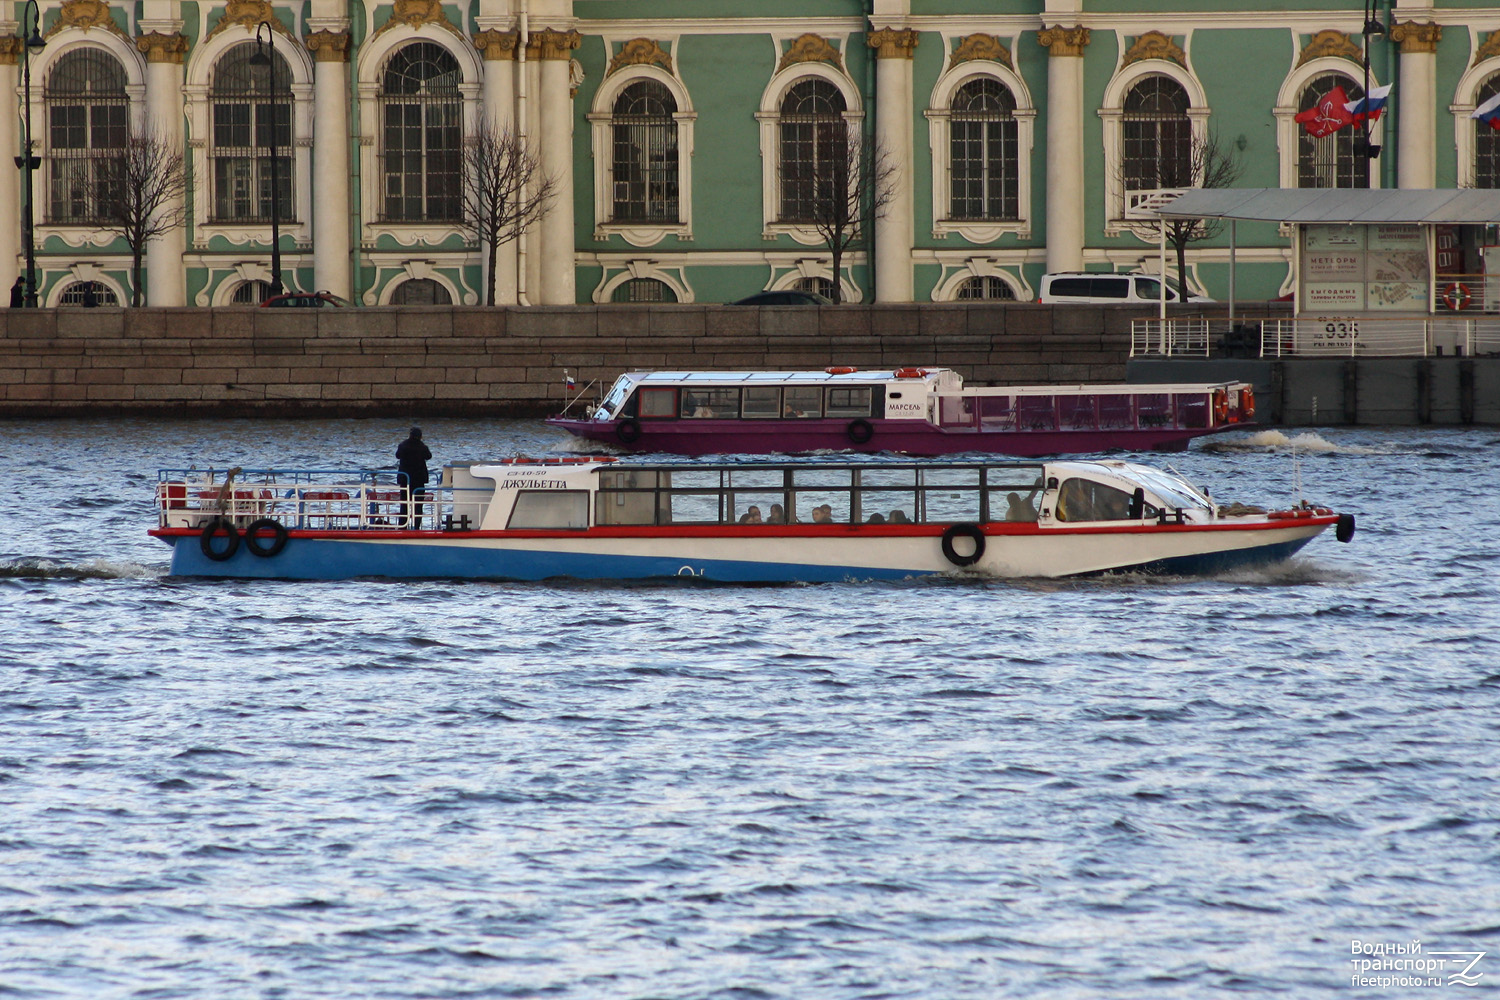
1466	206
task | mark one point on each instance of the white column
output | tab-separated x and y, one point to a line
894	232
499	48
1065	191
10	148
557	263
332	270
166	279
1416	143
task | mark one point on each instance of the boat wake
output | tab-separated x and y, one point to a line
1307	442
38	568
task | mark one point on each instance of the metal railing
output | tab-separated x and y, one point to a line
1324	336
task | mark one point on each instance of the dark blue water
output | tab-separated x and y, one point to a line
1128	789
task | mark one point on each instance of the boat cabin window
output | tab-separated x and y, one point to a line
1086	500
617	394
851	402
802	401
658	402
550	509
762	401
711	401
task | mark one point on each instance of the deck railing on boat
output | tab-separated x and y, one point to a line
314	499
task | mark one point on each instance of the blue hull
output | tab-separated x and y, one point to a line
336	559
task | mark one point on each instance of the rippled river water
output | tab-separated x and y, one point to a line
1128	788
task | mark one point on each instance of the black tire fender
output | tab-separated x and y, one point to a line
970	531
211	530
1345	528
628	430
860	431
278	541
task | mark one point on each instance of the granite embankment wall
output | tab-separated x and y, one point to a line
462	361
504	362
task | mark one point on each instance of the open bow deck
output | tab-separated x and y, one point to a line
913	411
752	521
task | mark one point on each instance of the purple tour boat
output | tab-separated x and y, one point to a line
915	411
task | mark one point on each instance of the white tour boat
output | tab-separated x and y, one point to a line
749	521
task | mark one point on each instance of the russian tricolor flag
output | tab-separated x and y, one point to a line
1370	106
1489	112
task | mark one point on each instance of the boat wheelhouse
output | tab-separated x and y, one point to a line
912	411
796	520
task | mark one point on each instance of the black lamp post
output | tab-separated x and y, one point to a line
262	58
27	161
1372	27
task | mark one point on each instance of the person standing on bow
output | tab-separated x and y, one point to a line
411	459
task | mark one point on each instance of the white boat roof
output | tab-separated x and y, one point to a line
859	375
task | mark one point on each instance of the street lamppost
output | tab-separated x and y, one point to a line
1372	27
262	58
27	161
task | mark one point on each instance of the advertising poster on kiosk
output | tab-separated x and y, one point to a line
1376	268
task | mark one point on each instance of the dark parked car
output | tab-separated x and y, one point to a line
305	300
789	297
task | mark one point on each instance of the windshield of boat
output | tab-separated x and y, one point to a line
1172	490
617	394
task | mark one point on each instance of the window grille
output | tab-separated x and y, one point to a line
1157	135
823	286
249	116
87	127
88	293
645	154
984	143
814	151
421	114
643	290
1332	161
1486	141
985	286
251	293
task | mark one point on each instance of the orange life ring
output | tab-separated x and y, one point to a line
1221	406
1456	296
1247	403
911	373
840	370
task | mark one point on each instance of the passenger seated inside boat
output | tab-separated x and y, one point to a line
876	518
822	514
1019	508
899	517
778	516
751	516
1082	500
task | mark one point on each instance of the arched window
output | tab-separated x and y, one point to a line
251	293
1332	161
88	293
250	114
814	153
86	118
820	285
1486	141
643	290
984	158
645	154
1157	136
421	122
421	292
985	286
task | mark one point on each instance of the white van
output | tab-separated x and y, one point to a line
1102	288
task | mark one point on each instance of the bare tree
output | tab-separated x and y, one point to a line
1206	163
504	191
141	189
851	184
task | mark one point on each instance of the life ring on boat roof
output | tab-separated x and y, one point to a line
211	530
969	531
628	430
840	370
1456	296
1221	406
278	537
860	431
911	372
